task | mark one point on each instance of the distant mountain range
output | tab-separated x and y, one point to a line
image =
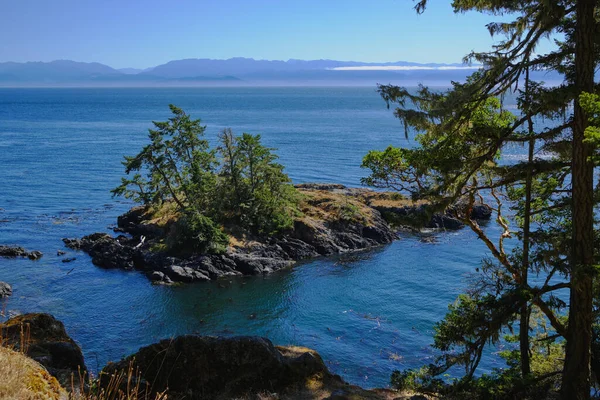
234	71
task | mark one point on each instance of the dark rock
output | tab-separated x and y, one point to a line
5	289
249	264
184	274
12	251
481	211
320	186
68	260
213	368
60	253
156	276
443	221
133	222
35	255
106	251
159	278
47	343
15	251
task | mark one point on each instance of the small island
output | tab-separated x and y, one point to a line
211	213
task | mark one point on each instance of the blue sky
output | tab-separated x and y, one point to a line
145	33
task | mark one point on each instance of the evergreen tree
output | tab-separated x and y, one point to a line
463	132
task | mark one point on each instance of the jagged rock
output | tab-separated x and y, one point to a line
249	264
133	222
12	251
16	251
106	251
5	289
184	274
69	259
47	343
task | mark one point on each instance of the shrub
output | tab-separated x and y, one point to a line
194	232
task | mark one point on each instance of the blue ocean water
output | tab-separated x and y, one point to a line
60	154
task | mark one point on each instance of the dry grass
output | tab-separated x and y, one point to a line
331	206
124	385
23	378
162	215
387	199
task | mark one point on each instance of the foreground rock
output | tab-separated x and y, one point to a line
15	251
5	290
45	340
335	220
239	367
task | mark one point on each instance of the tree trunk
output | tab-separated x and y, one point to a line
524	321
576	374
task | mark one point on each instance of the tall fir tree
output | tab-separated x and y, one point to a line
464	130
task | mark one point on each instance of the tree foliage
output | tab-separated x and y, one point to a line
253	189
239	182
463	133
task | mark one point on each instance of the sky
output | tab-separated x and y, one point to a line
146	33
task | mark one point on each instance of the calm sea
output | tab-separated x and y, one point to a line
60	153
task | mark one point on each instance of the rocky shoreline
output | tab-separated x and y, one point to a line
190	367
335	220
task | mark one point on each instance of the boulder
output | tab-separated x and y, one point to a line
481	211
46	341
184	274
211	368
35	255
5	290
444	221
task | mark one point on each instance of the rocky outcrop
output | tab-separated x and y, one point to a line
5	290
335	220
238	367
419	215
43	338
15	251
326	228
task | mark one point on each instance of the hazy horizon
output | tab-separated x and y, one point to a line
140	34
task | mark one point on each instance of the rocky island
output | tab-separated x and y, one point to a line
334	220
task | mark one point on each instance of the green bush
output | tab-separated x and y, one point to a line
196	233
239	182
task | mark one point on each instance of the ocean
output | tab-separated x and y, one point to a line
366	314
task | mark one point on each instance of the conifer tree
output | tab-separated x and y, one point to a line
463	132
